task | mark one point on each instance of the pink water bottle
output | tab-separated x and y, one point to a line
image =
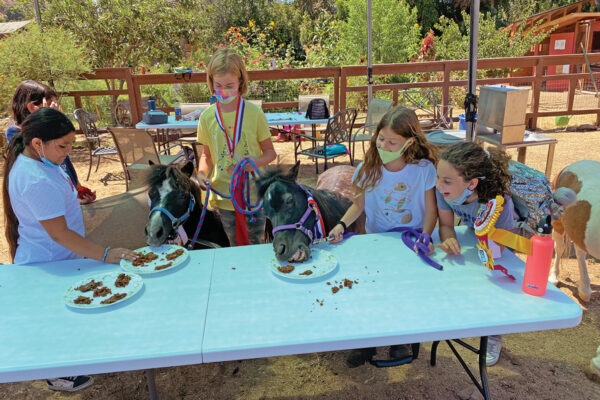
538	263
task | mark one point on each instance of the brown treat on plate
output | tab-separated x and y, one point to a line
143	259
159	267
307	272
174	255
335	289
102	291
113	298
122	280
348	283
89	286
286	270
82	300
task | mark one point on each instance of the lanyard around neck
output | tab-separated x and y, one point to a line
237	129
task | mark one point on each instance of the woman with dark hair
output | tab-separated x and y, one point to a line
29	96
43	217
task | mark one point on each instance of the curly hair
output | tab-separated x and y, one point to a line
405	123
489	166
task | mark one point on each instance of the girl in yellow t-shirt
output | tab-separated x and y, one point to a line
232	129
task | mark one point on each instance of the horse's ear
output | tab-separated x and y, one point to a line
150	162
188	168
293	174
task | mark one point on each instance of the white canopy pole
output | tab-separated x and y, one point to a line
471	100
369	52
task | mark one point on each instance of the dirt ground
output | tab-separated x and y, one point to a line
539	365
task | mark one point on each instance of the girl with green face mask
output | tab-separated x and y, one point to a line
396	188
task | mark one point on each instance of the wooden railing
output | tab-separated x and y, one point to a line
532	73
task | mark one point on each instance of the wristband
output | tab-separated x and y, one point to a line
105	254
343	225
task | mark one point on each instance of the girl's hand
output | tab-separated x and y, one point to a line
249	167
429	246
87	198
115	255
203	181
450	246
336	234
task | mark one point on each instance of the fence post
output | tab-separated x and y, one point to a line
343	85
336	90
78	101
446	86
535	100
135	98
571	95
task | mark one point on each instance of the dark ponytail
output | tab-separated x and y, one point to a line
489	166
46	124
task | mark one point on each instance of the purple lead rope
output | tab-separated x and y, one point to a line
422	243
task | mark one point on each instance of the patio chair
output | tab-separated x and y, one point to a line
338	132
432	116
93	136
136	149
377	108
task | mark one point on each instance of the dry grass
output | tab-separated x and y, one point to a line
549	364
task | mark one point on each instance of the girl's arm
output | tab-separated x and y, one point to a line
431	211
59	232
447	234
205	165
268	155
355	211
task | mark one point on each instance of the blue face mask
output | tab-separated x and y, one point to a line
46	161
460	199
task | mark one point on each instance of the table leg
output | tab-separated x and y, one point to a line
481	352
151	384
550	159
521	153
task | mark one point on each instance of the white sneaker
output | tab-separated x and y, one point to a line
595	363
494	346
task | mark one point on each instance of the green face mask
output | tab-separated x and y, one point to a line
388	156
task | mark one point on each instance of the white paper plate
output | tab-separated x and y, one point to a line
161	251
108	280
321	263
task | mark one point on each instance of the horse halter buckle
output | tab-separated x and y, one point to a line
175	222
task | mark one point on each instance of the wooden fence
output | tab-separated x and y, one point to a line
531	72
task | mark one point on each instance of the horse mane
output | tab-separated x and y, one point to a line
268	177
332	205
181	182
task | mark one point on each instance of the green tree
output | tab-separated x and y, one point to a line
396	33
453	43
52	56
320	41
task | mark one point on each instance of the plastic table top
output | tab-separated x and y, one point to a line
398	299
226	304
289	118
41	337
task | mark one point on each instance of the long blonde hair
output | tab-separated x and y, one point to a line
403	122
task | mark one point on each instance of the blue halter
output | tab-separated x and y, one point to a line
176	221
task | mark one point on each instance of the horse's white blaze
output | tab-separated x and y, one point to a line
155	221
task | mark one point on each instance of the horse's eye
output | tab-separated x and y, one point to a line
288	199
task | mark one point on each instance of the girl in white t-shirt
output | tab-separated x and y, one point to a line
396	188
43	216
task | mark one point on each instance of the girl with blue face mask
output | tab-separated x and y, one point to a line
468	176
396	188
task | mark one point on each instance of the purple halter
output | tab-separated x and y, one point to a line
316	233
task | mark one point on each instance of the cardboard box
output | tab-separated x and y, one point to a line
504	108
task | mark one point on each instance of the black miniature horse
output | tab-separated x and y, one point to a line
172	190
285	203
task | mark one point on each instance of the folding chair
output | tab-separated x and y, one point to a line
377	109
431	115
136	149
94	136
